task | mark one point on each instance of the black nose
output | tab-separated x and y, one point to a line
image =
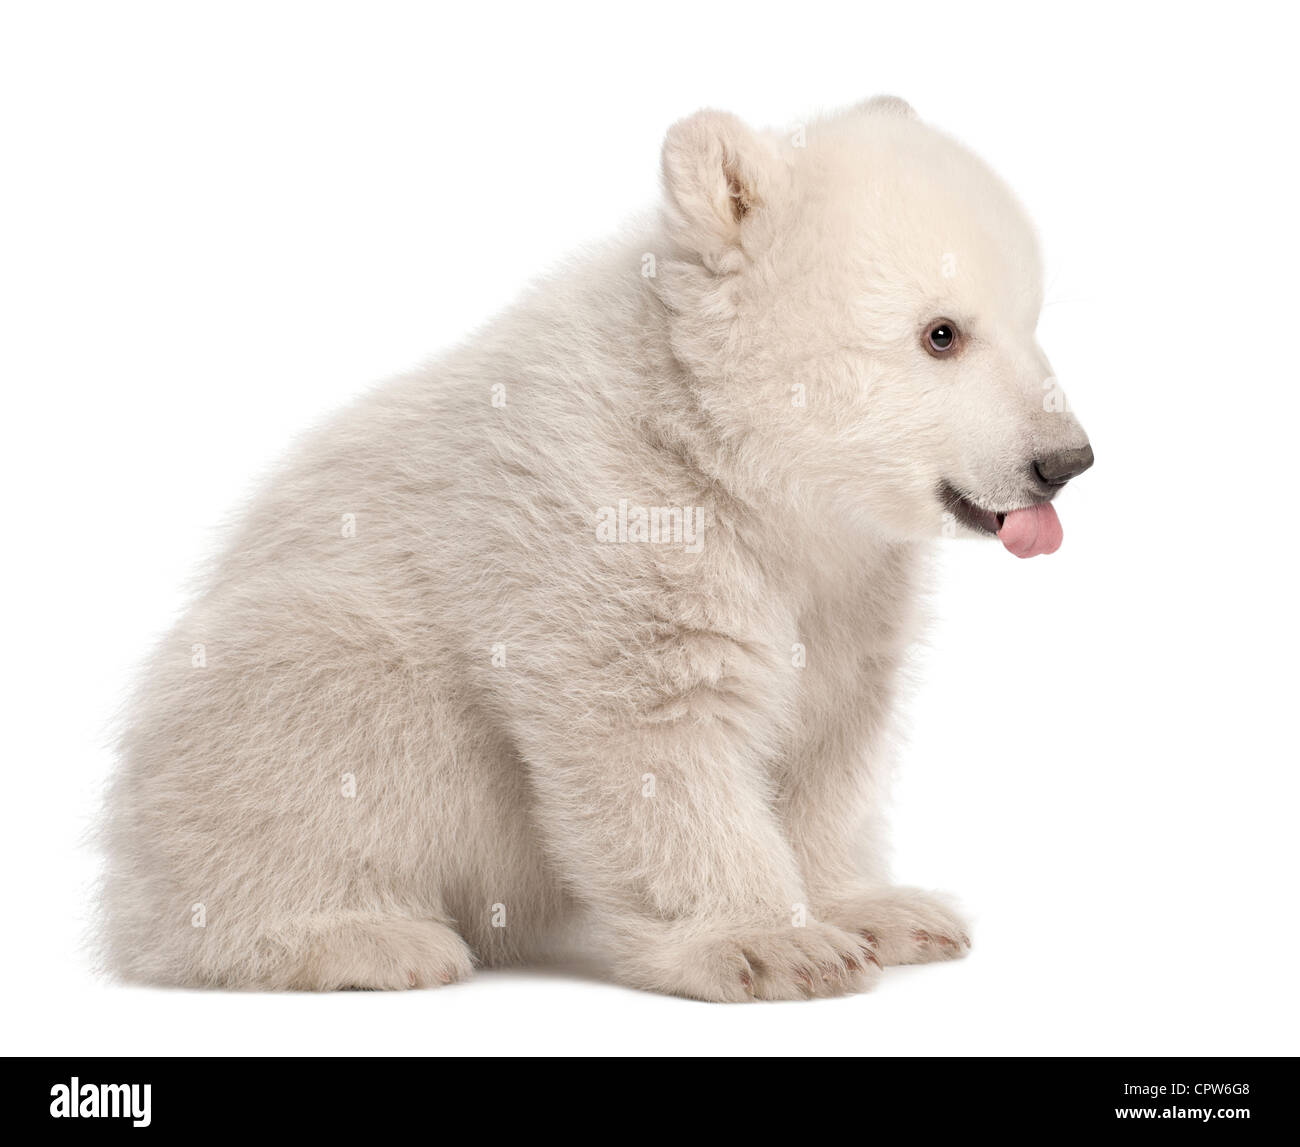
1057	469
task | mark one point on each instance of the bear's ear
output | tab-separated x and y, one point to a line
717	174
888	105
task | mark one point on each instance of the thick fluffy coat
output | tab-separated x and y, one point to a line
442	694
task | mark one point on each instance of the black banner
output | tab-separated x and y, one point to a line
1223	1099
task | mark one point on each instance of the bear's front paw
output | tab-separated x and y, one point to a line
903	925
753	963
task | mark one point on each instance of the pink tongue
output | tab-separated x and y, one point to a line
1027	533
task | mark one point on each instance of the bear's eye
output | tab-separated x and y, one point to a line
941	338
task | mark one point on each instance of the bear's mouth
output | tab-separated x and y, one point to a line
1028	531
968	513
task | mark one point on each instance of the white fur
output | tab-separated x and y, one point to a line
650	757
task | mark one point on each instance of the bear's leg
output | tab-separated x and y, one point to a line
904	925
831	816
379	952
667	833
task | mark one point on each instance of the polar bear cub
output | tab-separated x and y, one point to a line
596	621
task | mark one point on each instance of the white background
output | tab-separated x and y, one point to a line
220	221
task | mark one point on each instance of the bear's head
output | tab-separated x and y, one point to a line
856	303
